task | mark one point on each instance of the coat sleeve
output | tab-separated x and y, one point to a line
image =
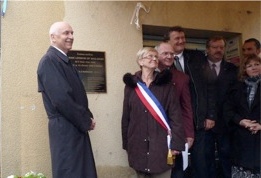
186	109
230	108
125	118
54	85
175	121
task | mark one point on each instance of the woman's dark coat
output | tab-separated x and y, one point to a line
69	117
144	139
246	146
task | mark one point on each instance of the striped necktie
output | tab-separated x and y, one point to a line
178	65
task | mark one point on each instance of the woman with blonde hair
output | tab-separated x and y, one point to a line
152	129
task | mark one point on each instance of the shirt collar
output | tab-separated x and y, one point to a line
217	63
59	50
179	55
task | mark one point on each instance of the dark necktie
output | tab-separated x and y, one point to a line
178	65
214	71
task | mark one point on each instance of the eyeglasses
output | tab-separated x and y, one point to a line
152	57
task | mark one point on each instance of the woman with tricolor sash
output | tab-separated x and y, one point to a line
152	130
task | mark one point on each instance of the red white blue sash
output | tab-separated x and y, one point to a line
157	111
154	106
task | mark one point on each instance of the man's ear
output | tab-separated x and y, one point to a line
52	37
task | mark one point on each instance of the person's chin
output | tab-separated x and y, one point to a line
180	49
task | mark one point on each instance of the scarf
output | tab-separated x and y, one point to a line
252	84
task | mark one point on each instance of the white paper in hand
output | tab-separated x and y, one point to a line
185	155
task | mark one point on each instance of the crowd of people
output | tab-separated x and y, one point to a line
179	99
219	106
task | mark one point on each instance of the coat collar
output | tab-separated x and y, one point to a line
59	54
161	78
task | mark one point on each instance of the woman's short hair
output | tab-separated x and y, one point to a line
142	53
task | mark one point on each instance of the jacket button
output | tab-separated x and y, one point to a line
148	153
148	170
145	110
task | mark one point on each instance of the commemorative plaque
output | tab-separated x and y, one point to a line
91	67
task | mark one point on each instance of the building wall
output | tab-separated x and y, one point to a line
99	26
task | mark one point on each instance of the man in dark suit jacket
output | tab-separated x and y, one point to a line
202	97
66	105
181	82
224	74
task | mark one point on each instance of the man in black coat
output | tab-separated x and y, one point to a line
202	91
224	75
66	105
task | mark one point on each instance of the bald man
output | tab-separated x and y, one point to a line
66	105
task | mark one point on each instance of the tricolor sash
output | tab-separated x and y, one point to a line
156	110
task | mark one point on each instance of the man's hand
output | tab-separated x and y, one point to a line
92	125
175	152
190	141
209	124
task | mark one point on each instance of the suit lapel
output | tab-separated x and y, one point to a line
223	69
185	57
